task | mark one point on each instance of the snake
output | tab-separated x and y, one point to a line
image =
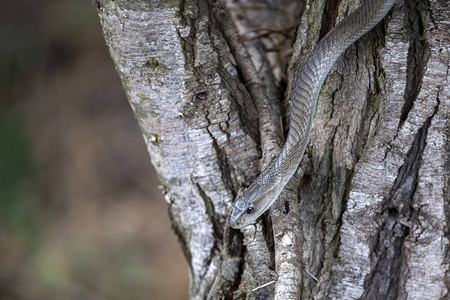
267	187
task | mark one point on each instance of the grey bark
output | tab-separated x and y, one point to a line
368	212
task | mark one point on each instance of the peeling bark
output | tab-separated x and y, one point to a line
367	214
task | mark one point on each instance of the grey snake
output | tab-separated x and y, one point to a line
266	188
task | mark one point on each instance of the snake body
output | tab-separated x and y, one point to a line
266	188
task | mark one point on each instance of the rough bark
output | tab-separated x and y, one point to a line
367	215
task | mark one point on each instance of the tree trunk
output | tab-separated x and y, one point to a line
367	214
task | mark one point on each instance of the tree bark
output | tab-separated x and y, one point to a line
367	214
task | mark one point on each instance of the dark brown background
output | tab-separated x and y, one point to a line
81	216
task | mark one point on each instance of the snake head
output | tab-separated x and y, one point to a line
252	204
243	210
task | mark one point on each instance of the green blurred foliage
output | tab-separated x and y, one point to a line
50	249
33	43
44	253
18	213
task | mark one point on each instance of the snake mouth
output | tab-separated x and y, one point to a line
235	225
238	225
234	218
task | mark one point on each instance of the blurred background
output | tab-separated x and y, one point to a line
81	215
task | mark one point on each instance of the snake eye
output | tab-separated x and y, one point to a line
250	210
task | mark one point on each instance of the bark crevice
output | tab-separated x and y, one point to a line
418	53
329	17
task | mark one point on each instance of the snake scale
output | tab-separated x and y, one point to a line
266	188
